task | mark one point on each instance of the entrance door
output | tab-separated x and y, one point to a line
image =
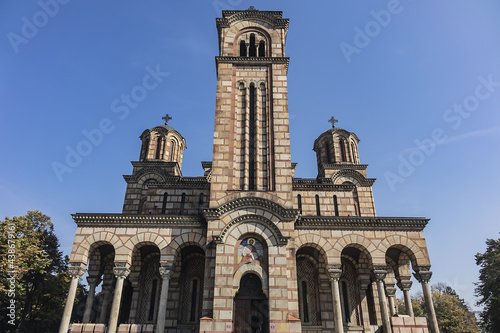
251	307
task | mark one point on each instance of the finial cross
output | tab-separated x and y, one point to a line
166	118
333	121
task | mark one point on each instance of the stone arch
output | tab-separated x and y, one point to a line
81	251
359	242
148	174
144	238
170	251
261	32
348	175
242	199
417	255
247	269
316	242
261	226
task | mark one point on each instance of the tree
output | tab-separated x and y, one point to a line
452	313
488	288
32	274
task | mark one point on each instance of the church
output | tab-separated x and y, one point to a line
247	247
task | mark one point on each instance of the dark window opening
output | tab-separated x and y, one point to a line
243	49
262	48
253	49
172	150
183	202
201	199
345	300
342	151
328	153
152	300
304	302
144	150
251	144
158	148
299	201
164	204
318	211
194	297
336	205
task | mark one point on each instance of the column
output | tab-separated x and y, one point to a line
364	302
92	281
390	291
166	272
423	275
405	286
105	292
121	272
75	271
379	274
335	272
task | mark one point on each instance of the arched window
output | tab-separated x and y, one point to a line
201	199
251	143
183	202
353	153
164	204
305	307
253	49
152	300
194	300
262	48
342	150
345	302
144	150
243	49
318	211
328	153
335	205
158	148
299	202
172	151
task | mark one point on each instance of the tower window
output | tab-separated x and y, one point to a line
354	159
158	148
164	204
299	201
336	205
251	143
342	150
318	211
172	150
200	202
144	150
328	153
243	49
262	48
183	202
252	49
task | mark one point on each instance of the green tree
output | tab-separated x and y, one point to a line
32	261
452	313
488	288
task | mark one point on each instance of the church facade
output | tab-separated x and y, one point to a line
247	246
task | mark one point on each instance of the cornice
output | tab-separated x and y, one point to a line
275	18
361	223
206	164
97	219
254	61
343	166
251	202
319	184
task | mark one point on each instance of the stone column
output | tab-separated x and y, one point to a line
166	272
93	282
121	272
390	291
364	283
423	275
335	272
75	271
405	286
379	274
106	292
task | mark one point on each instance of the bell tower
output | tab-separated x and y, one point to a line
251	150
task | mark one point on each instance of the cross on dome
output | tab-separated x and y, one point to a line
333	121
166	118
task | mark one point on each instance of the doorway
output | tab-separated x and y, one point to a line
251	306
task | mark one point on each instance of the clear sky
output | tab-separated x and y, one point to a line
417	81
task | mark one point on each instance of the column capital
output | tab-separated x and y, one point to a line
121	270
76	270
166	271
405	285
379	273
364	283
390	291
335	272
93	280
423	274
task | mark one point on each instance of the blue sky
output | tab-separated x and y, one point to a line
417	81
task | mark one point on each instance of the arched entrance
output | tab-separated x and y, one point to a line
251	306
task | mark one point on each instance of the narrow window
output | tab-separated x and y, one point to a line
328	153
200	203
353	153
251	144
172	151
152	300
183	202
345	300
144	150
158	148
265	169
304	302
299	201
194	297
262	48
253	48
318	211
243	49
164	204
342	150
335	205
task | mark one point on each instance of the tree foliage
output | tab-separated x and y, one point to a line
37	268
452	313
488	288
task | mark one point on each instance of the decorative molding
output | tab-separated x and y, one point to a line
335	272
166	271
275	18
379	273
282	240
345	165
253	61
390	291
251	202
76	271
365	182
361	223
423	274
143	220
405	285
318	184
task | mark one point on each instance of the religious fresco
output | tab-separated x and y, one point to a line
250	250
